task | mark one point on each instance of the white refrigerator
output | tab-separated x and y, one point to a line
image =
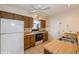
11	36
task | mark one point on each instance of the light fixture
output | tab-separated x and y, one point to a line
40	6
37	17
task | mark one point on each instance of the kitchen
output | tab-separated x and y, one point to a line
24	24
39	29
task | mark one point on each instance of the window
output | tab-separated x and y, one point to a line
36	24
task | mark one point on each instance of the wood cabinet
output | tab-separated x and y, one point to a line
42	24
32	38
8	15
17	17
26	42
45	36
29	41
28	22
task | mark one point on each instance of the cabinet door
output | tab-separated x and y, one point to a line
29	41
42	23
32	40
6	15
45	36
28	22
26	42
17	17
25	21
0	14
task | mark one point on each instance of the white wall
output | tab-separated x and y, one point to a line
63	22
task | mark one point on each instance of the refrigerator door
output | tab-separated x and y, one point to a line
12	43
11	26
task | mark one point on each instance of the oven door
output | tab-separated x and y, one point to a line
39	36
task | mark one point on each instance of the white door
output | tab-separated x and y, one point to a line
12	43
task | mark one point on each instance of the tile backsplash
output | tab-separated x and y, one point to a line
27	29
30	29
42	29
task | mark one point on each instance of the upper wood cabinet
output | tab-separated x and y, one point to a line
25	21
17	17
28	22
42	23
6	15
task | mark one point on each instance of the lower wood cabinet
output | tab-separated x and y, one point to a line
32	38
45	36
29	41
26	42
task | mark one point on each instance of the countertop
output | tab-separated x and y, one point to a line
35	32
61	47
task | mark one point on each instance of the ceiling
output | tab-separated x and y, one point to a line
51	10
